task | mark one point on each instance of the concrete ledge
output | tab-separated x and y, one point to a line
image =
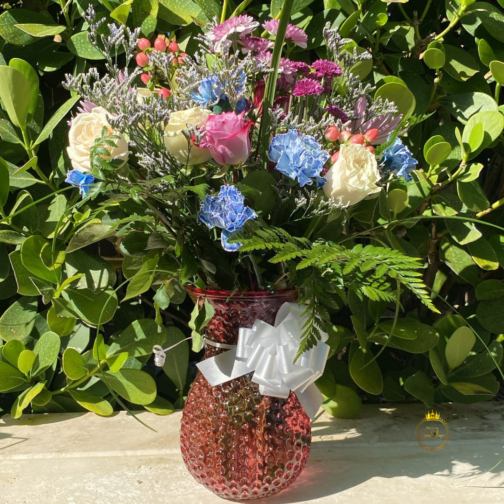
85	459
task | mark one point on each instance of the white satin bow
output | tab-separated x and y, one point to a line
269	352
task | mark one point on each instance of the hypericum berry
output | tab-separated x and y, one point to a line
357	139
160	44
335	157
344	136
145	78
165	93
370	148
142	59
173	47
332	134
371	134
143	44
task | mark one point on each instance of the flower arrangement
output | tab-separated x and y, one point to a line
245	158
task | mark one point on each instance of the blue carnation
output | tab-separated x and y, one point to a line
81	180
298	157
398	160
227	212
209	91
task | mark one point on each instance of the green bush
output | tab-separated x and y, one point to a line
86	288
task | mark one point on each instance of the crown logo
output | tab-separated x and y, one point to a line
432	416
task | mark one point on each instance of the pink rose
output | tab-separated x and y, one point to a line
227	138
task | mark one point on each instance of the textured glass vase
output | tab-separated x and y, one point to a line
238	443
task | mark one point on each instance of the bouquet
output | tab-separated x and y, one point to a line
239	166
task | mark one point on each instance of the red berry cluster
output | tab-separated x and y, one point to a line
333	134
160	44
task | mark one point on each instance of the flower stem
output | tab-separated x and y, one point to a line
31	154
224	10
269	94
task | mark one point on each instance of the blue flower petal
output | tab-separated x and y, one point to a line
229	247
227	212
398	160
81	180
298	157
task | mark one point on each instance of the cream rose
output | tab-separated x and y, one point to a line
86	128
175	141
143	94
353	176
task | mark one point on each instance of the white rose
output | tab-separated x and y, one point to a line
175	141
86	128
353	176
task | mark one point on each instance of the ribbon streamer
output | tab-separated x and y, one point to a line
269	352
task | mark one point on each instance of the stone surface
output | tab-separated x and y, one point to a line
85	459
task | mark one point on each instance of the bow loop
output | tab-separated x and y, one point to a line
269	352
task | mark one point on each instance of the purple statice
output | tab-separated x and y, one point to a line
236	27
81	180
228	212
299	157
337	112
397	159
293	34
326	68
255	44
308	86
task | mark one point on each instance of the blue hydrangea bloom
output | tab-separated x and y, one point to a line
81	180
398	160
209	92
227	212
298	157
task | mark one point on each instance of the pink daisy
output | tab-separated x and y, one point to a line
293	33
326	67
238	26
255	44
307	87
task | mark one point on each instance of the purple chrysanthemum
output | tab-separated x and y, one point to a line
302	67
385	124
326	68
84	107
337	112
255	44
237	26
307	87
293	33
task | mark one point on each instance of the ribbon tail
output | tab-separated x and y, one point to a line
310	399
222	368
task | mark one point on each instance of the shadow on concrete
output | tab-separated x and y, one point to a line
7	441
368	449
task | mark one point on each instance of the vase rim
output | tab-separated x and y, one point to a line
225	294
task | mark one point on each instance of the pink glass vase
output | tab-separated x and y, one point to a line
238	443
